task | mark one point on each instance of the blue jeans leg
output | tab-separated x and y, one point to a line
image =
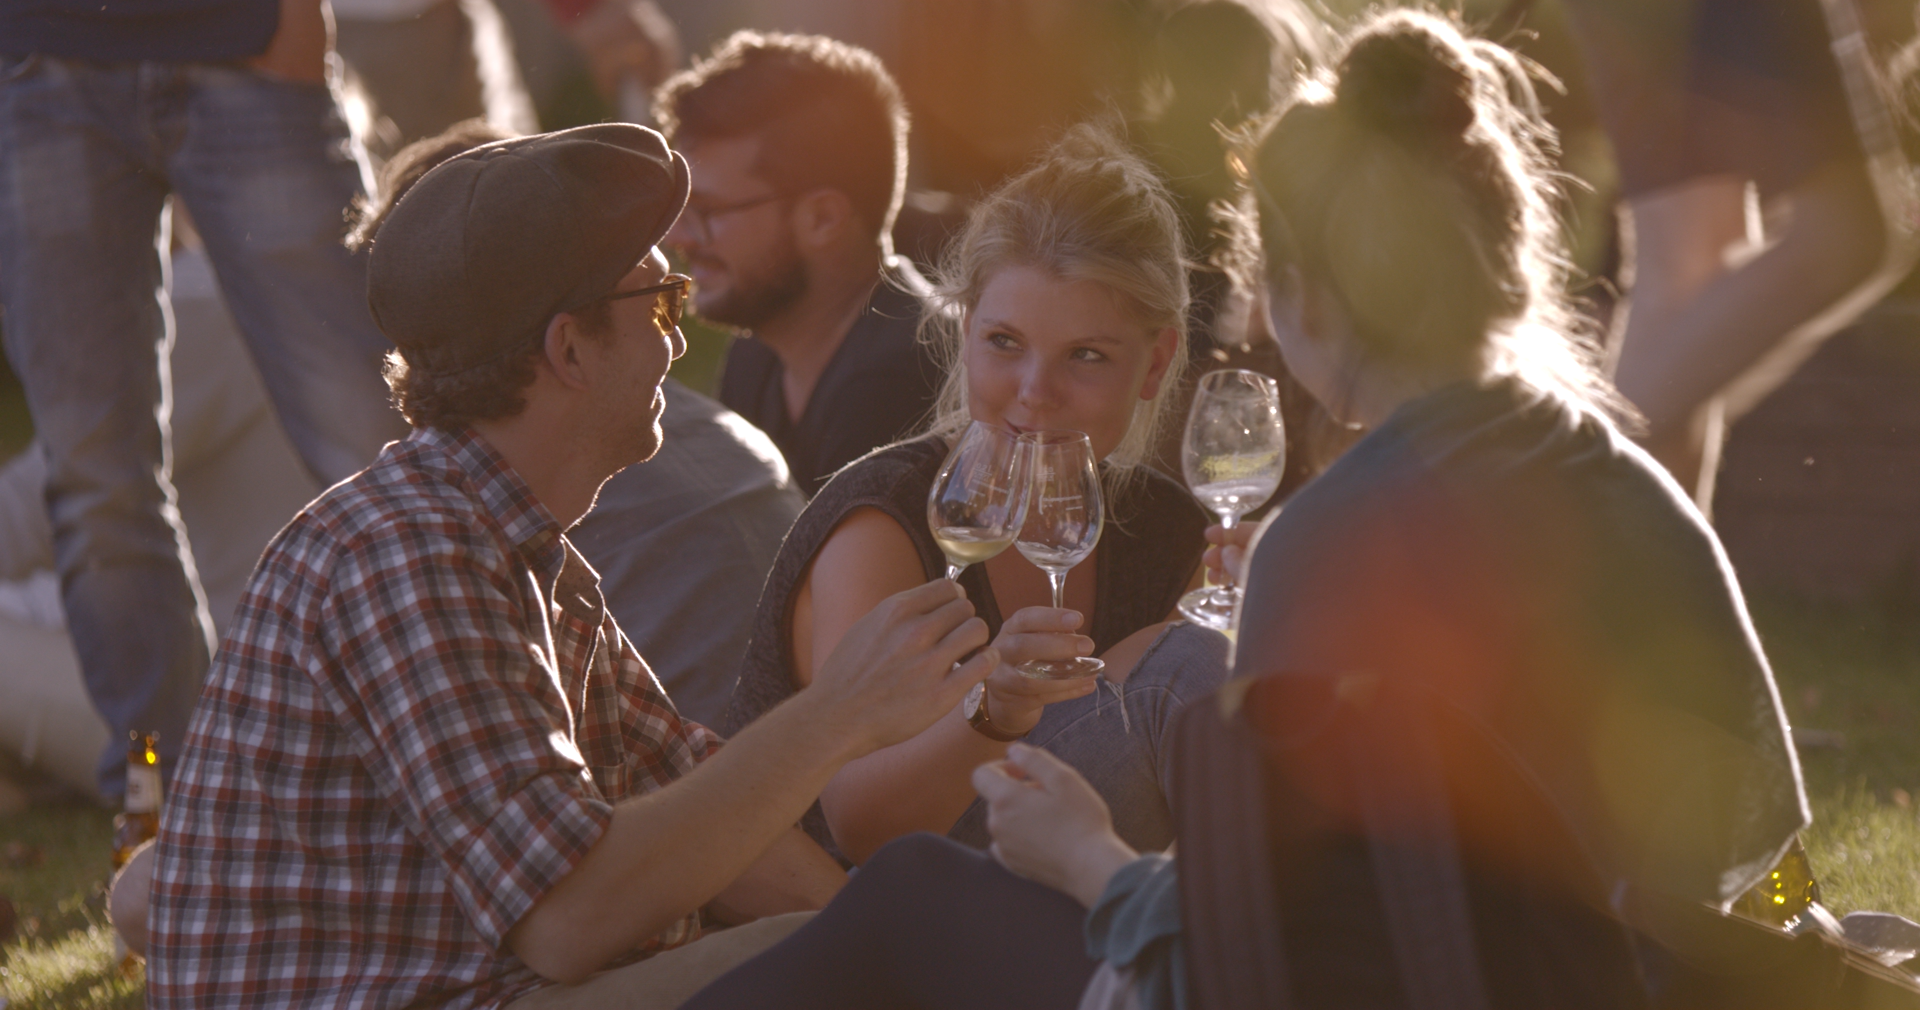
1125	758
82	277
268	169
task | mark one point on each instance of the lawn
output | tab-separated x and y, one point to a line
1855	675
1852	674
53	866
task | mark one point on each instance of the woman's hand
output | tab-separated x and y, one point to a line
1048	824
1015	700
1226	559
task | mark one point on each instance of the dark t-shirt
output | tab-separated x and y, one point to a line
880	384
121	31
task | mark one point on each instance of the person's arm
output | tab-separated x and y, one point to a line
1682	348
128	897
921	784
298	50
458	717
794	875
672	850
1049	825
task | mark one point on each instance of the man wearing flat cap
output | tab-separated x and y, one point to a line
428	769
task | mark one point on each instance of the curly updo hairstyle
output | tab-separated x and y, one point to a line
1413	181
1089	210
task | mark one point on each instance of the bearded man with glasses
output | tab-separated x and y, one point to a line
799	152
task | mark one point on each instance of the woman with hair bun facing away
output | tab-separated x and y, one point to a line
1494	569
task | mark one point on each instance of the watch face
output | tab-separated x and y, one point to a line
971	707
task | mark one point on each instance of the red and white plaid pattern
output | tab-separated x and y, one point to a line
414	728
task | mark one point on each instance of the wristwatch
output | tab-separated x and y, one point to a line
975	709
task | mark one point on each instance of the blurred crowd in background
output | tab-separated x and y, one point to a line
1764	232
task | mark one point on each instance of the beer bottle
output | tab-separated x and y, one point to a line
140	819
1784	893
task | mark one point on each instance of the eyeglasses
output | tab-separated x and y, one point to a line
670	303
702	217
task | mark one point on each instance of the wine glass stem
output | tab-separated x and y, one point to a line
953	571
1228	520
1057	578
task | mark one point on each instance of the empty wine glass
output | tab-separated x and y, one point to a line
1064	516
1234	451
979	498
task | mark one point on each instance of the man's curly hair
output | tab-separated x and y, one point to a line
485	392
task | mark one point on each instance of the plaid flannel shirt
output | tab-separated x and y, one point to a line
416	726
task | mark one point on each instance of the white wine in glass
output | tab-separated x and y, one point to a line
979	498
1233	454
1064	517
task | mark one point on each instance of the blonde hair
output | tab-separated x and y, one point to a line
1089	210
1414	181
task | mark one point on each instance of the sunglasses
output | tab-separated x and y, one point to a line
670	299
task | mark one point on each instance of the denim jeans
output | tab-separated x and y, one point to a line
88	156
1122	745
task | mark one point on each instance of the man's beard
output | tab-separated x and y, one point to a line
752	301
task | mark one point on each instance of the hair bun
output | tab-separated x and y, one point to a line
1409	85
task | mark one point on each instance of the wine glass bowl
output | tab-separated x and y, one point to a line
1233	453
1065	513
979	499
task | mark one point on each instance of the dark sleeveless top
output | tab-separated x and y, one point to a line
1147	555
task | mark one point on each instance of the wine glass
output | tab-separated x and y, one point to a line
1234	450
980	496
1064	516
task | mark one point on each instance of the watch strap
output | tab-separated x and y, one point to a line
982	721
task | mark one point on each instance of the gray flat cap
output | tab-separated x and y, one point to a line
486	248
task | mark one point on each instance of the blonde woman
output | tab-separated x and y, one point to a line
1061	306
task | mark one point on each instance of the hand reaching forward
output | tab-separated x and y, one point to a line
894	673
1048	824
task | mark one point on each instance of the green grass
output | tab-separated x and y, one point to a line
1850	671
62	956
1855	672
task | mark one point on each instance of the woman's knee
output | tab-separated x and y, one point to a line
1185	658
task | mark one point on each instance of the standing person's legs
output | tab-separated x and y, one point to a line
924	924
268	170
82	277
